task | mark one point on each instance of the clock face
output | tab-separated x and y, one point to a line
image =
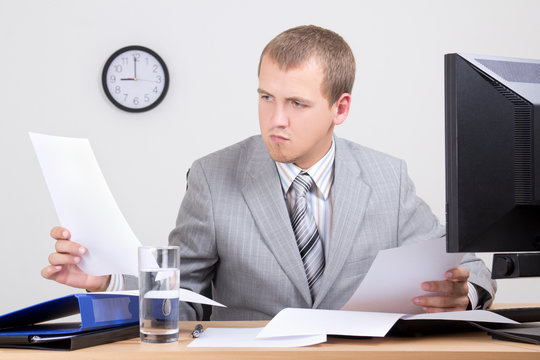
135	79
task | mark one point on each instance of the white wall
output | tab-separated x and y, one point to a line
52	56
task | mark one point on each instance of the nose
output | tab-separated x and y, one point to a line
279	118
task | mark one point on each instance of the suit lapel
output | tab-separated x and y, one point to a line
351	196
264	196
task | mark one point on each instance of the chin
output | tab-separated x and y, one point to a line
280	157
277	153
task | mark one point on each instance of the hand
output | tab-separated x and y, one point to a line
449	294
64	269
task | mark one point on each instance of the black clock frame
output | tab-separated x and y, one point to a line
111	59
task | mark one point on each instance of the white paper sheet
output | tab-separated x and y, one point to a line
190	296
183	295
85	205
296	322
246	337
396	275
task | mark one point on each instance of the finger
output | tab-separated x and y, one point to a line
436	310
48	271
447	287
442	302
457	274
62	259
69	247
60	233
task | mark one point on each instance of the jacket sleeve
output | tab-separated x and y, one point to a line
194	234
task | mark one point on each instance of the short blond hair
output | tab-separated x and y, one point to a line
295	46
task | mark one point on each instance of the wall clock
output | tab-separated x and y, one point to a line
135	79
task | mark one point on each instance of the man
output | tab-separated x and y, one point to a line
294	217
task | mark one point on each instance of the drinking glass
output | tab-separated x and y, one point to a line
159	283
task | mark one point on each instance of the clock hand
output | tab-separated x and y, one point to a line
136	79
135	67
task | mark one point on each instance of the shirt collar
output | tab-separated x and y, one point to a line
321	172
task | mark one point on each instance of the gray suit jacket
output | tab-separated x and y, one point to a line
236	240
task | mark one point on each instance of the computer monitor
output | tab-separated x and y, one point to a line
492	111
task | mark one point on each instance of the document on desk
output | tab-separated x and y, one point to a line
85	205
297	322
396	275
246	337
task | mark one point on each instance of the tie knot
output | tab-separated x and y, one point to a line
301	184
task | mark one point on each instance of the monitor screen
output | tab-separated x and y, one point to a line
492	118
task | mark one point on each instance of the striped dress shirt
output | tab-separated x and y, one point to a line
320	195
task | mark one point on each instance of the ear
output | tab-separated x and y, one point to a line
341	108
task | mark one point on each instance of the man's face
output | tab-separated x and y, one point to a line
294	116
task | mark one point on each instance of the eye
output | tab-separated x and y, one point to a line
298	104
266	97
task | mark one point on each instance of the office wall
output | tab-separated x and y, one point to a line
51	58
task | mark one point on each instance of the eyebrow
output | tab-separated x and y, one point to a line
261	91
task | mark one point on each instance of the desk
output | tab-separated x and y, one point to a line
473	345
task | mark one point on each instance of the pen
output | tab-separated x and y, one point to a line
197	331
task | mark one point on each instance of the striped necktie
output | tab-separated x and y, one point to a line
305	231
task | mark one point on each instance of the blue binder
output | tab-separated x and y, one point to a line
102	315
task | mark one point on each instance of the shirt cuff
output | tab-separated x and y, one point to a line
472	295
116	283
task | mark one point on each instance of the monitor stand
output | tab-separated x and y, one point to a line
515	265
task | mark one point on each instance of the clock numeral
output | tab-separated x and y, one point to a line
125	97
137	56
117	89
135	101
146	98
155	90
158	79
118	68
155	68
113	78
125	60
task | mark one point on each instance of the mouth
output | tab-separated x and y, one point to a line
278	138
